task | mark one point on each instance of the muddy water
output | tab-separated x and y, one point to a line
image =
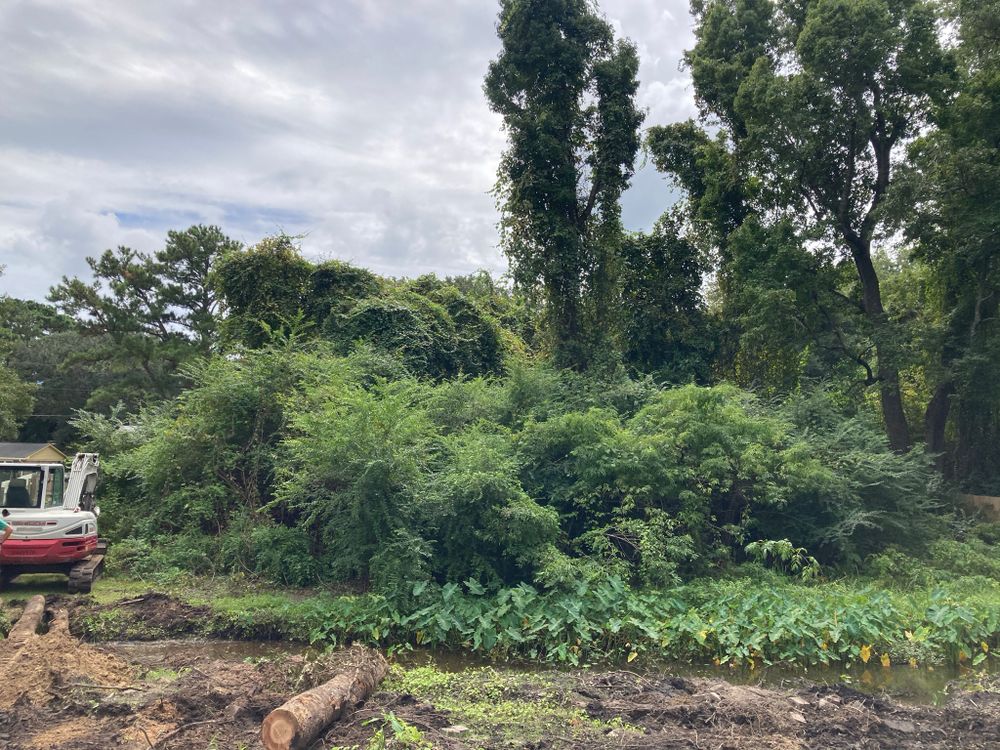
155	653
919	685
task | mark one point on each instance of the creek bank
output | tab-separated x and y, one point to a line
190	694
161	618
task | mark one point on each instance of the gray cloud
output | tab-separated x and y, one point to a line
358	123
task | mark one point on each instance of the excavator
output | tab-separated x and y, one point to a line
54	518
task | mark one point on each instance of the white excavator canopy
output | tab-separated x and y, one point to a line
82	482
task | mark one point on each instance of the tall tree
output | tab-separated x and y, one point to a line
151	312
819	100
566	91
950	211
17	397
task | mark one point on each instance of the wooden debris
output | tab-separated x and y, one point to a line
298	722
29	622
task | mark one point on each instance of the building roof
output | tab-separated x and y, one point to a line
31	452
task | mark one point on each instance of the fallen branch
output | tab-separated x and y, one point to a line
123	602
89	686
148	741
298	722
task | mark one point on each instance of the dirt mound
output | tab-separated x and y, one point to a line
630	711
183	703
46	663
152	616
712	713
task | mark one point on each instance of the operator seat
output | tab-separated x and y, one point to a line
17	494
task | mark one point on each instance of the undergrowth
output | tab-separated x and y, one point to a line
757	619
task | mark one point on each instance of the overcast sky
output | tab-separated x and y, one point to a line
358	123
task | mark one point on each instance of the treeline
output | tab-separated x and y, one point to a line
802	352
840	193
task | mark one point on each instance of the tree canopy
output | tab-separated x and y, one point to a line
566	90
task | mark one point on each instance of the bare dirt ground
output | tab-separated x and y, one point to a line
61	694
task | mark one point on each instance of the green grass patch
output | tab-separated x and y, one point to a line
105	591
165	674
497	704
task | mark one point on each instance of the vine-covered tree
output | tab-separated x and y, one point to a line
664	328
566	90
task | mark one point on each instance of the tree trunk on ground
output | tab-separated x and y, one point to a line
301	720
24	630
28	624
60	623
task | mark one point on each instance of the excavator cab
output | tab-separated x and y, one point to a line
54	518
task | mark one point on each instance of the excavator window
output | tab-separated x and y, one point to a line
54	487
21	487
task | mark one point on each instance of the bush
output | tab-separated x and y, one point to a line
191	552
866	496
308	466
352	465
283	555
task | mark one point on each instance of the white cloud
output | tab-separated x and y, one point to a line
360	123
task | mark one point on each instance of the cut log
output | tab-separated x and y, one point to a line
60	623
29	622
298	722
24	630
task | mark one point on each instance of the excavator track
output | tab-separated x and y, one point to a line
84	573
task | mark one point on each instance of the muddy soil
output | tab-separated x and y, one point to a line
66	695
700	714
76	696
152	615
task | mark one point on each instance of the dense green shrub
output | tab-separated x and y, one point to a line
484	525
676	487
212	453
867	497
184	553
352	466
263	289
270	290
312	467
